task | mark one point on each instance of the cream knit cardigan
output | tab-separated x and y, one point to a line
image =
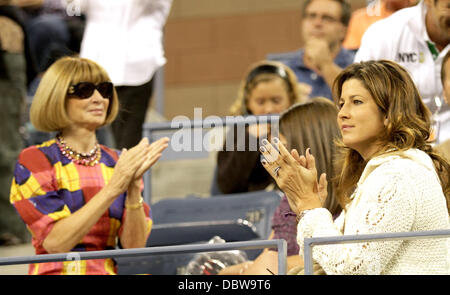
397	192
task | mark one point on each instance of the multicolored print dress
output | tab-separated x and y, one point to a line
48	187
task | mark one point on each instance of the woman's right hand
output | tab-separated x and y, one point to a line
322	185
298	182
128	163
153	154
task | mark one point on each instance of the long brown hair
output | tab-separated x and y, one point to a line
409	121
313	124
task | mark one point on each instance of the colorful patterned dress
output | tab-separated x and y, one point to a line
48	187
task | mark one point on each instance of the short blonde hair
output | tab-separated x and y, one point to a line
48	110
239	107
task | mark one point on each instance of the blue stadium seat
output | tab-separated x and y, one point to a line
166	264
235	217
201	231
184	233
194	131
255	207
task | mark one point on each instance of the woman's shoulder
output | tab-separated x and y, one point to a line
46	148
399	160
410	179
38	158
409	169
415	160
409	164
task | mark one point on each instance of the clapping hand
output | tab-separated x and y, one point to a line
307	162
153	154
295	175
133	163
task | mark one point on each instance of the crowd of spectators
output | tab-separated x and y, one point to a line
388	63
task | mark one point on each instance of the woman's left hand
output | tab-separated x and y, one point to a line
153	154
322	185
297	180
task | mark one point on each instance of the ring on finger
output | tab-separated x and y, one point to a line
275	171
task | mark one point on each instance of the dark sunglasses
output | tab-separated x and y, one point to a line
84	90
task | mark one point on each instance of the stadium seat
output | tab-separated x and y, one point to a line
254	207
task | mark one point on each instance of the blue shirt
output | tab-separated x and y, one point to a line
294	60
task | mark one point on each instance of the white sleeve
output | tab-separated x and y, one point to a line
159	10
388	206
375	44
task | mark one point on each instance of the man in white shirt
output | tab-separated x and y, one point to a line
418	39
125	37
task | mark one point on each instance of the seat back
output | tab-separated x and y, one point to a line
185	233
187	165
201	231
254	207
163	264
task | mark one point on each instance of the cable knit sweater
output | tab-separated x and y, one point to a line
397	192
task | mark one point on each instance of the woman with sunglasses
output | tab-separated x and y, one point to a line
269	87
74	194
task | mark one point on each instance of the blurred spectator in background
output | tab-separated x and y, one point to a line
268	88
417	38
10	10
52	32
125	37
362	19
13	81
324	25
444	147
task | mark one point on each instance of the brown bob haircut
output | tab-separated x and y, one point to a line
48	110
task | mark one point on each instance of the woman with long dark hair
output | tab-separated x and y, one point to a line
388	180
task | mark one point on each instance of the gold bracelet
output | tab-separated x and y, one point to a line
135	206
